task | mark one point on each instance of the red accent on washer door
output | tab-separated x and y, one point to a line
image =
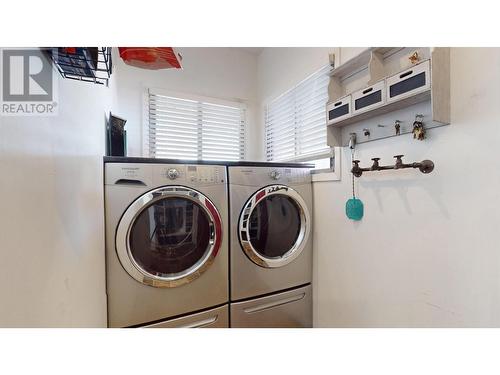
218	225
260	195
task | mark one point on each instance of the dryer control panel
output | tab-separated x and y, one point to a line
296	175
261	176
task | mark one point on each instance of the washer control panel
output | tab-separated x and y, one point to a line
190	174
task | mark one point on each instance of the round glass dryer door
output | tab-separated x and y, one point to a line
274	226
169	236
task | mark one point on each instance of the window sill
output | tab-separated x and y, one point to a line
325	176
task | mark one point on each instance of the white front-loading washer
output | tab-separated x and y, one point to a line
270	246
166	244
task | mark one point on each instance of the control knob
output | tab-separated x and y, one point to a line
275	175
172	173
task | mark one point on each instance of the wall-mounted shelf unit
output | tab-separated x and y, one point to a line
381	80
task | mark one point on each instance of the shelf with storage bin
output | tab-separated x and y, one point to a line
382	80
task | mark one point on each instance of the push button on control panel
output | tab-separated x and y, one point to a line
204	174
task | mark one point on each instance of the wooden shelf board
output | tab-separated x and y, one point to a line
360	61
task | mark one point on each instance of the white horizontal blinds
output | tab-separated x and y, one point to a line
296	121
173	127
195	129
222	132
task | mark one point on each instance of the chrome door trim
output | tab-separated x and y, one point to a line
270	305
201	323
244	229
122	240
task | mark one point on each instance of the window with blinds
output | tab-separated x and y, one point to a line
182	127
295	122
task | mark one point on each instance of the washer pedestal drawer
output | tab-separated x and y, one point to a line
213	318
290	309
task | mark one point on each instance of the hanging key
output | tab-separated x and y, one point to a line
397	127
418	128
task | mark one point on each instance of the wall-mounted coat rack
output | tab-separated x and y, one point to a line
425	166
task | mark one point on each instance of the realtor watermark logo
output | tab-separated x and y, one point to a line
29	84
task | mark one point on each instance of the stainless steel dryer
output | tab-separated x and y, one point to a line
166	244
271	246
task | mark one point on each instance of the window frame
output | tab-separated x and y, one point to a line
305	158
235	103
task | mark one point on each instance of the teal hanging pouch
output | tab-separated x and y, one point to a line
354	209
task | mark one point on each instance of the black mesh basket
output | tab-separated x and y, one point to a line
88	64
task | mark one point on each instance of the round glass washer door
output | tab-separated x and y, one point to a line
274	226
169	236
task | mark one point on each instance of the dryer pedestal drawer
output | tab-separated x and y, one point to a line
214	318
290	309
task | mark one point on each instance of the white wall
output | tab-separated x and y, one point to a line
280	69
51	222
426	252
225	73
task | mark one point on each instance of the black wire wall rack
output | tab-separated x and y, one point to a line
86	64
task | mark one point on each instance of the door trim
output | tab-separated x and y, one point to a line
214	317
270	305
244	228
122	240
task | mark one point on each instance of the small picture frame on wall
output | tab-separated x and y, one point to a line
116	136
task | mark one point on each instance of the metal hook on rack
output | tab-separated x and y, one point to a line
425	166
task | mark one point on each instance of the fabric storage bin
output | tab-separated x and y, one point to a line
409	82
368	98
338	110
